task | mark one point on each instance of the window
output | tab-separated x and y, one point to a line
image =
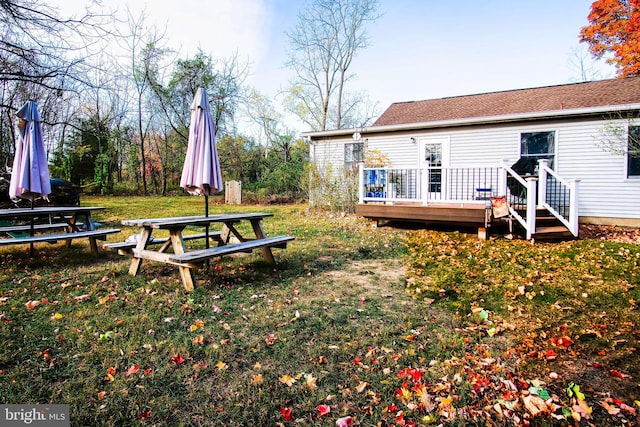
536	146
353	154
633	152
433	158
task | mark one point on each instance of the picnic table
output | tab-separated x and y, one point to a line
143	248
75	222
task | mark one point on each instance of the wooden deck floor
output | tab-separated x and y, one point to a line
463	214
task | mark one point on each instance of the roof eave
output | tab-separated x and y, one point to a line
564	113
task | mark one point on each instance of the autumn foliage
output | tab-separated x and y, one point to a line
614	32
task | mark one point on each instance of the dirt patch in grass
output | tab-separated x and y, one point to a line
373	275
364	280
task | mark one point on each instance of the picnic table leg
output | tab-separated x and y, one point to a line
93	244
177	243
227	230
145	236
187	278
256	224
73	227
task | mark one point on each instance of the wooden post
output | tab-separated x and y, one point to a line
482	233
424	185
574	215
531	206
543	164
502	179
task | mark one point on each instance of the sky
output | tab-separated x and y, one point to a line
418	49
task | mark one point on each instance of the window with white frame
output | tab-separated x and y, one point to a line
353	153
536	146
433	158
633	152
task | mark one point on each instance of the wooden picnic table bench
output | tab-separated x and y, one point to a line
186	260
17	230
92	235
69	214
189	259
125	248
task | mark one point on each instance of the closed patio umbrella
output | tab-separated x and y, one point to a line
201	171
30	172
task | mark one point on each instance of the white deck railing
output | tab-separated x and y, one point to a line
476	185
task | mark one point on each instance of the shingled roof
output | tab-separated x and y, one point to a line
550	98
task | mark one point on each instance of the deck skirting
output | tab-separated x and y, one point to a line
464	214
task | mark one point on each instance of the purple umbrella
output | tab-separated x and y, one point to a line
201	172
30	173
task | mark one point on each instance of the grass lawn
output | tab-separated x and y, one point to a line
354	326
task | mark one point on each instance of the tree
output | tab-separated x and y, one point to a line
614	31
44	56
582	64
43	49
621	135
144	46
327	37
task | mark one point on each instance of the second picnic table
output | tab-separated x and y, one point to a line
55	217
187	260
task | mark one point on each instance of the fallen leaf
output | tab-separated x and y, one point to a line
286	413
564	341
270	339
132	370
106	336
32	304
145	414
535	405
360	388
178	359
573	389
344	422
323	410
310	381
611	409
581	410
618	374
288	380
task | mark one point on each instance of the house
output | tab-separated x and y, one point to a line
556	150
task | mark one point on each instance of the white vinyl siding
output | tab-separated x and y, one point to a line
605	190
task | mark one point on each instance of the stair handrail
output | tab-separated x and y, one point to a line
530	184
571	185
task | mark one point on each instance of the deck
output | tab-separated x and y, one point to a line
541	206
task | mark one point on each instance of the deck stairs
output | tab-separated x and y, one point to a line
548	227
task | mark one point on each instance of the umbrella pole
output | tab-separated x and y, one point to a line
31	231
206	213
206	230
